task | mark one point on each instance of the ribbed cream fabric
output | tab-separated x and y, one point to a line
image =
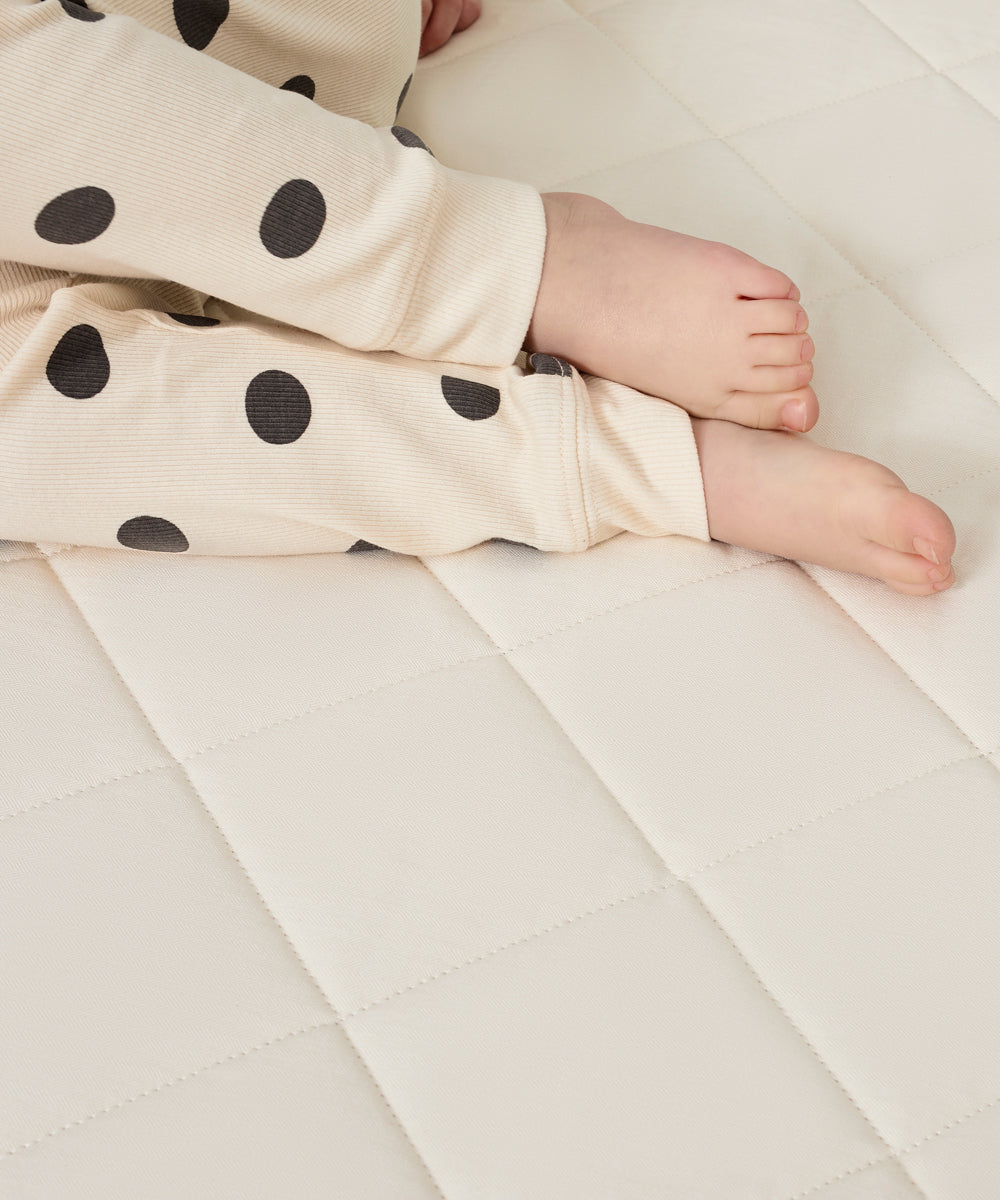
229	324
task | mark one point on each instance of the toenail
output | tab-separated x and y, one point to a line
808	348
926	550
793	416
801	321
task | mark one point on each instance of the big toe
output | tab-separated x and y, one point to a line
761	282
797	411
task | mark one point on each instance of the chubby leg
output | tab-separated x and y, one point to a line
783	494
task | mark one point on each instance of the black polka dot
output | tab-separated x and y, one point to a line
302	84
78	367
76	216
474	401
293	219
402	95
406	137
548	364
79	10
362	547
278	407
152	533
198	21
192	319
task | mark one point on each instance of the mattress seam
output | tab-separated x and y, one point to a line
831	812
726	935
897	1155
903	671
10	1152
725	139
923	57
561	727
175	760
593	21
297	954
616	608
966	479
652	890
37	805
259	730
820	1058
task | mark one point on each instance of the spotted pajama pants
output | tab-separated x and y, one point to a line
146	415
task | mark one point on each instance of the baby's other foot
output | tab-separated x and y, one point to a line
783	494
698	323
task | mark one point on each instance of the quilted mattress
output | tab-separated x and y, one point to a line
665	871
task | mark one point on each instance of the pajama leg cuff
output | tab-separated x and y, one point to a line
639	457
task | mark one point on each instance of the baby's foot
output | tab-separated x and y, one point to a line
698	323
785	495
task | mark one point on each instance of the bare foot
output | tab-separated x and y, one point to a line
443	18
698	323
783	494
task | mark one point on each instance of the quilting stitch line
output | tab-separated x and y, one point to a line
711	915
801	1033
896	1155
616	608
568	736
169	1083
90	787
863	275
708	911
256	890
256	731
968	479
793	208
874	1162
919	53
830	813
788	115
899	666
653	890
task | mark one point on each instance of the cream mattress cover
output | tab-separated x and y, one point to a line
666	870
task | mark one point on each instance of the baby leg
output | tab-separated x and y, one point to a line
147	416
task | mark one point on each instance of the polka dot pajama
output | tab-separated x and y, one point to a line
243	311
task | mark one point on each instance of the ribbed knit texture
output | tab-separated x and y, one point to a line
242	323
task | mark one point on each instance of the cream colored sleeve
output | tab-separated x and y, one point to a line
129	153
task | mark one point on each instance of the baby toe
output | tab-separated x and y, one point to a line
910	574
774	316
781	349
777	378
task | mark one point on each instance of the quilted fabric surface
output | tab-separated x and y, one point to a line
666	871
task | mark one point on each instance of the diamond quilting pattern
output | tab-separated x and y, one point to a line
664	871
